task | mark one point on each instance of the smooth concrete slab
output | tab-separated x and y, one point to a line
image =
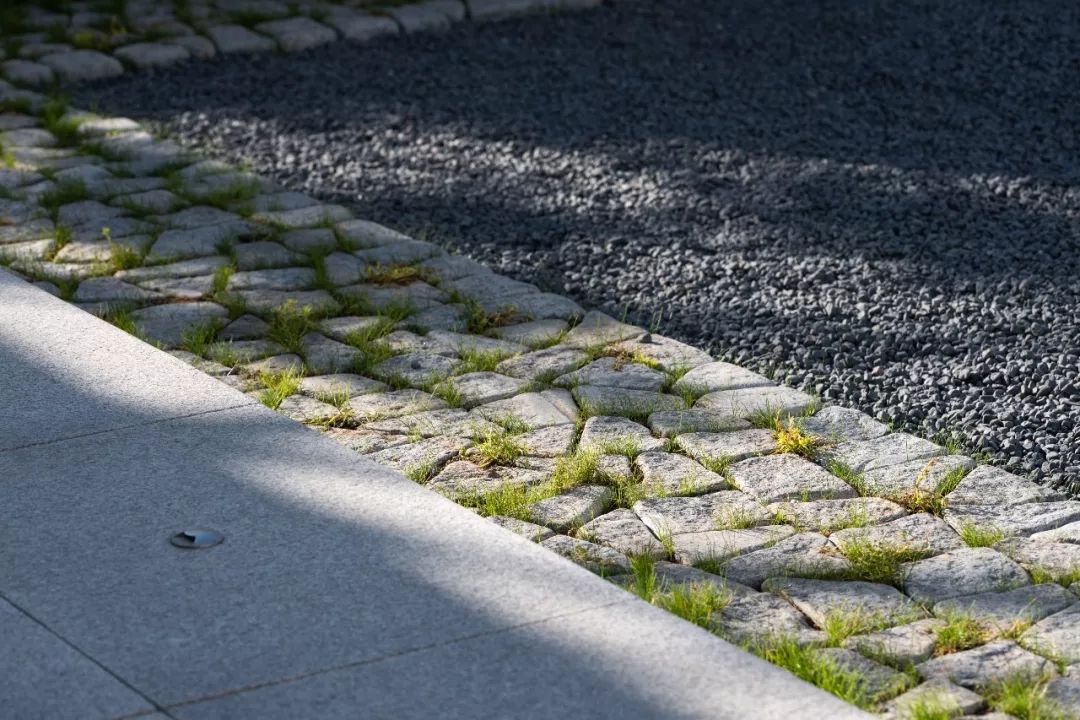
42	676
627	660
67	373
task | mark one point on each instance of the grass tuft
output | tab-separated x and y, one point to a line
1023	696
496	447
816	669
878	562
476	360
962	632
978	536
277	387
288	326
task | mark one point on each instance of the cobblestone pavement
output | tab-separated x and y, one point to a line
890	570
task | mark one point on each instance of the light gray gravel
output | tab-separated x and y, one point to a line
875	200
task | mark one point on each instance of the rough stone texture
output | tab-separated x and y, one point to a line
531	334
881	452
187	243
149	55
236	38
596	328
108	289
903	645
340	328
551	441
819	599
621	529
189	288
402	341
533	409
244	350
719	545
747	402
434	422
26	72
755	616
362	441
988	485
287	363
1002	610
613	434
536	533
1015	519
837	424
318	386
717	376
572	508
676	515
1057	635
306	409
324	355
479	388
83	65
359	26
903	479
733	446
677	474
417	370
167	324
473	343
619	401
245	327
280	279
879	681
673	423
426	455
264	254
615	372
787	477
969	571
86	211
829	515
921	532
670	575
938	692
1059	560
981	666
394	404
1069	533
1065	692
298	33
462	480
798	555
597	558
613	466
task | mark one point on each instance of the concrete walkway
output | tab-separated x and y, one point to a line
342	589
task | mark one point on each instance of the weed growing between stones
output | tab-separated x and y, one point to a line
121	319
496	447
841	624
878	562
816	669
475	360
698	603
1040	575
931	500
422	472
63	194
54	119
277	387
735	519
1023	696
930	706
446	391
791	438
962	632
197	340
978	536
396	274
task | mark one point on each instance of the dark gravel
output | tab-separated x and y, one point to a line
874	200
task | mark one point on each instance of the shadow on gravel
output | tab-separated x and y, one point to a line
877	201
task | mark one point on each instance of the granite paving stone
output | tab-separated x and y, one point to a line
197	216
440	317
758	617
676	422
359	26
480	388
167	324
714	376
1058	560
342	268
1002	611
615	372
32	230
454	267
317	301
939	693
799	555
416	370
719	545
670	575
981	666
702	513
265	254
1068	533
571	509
619	401
597	558
989	485
340	328
538	306
236	38
1024	519
214	369
83	65
968	571
622	530
461	480
669	354
403	341
27	72
196	45
417	295
408	252
309	216
1065	693
892	449
245	327
244	350
614	467
563	402
531	531
837	424
323	355
185	288
902	645
276	364
86	211
319	386
879	681
532	409
677	474
550	441
108	289
732	446
147	55
468	343
428	454
542	364
308	240
306	409
531	334
297	33
1057	636
918	532
904	479
435	422
616	434
280	279
787	477
820	599
118	227
596	328
362	441
376	406
827	516
746	402
197	242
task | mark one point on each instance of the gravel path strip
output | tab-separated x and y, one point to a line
873	201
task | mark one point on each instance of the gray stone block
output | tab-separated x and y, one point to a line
148	55
821	599
939	693
984	665
834	515
340	383
988	485
619	401
884	451
676	515
480	388
837	424
571	509
716	376
1002	610
536	533
83	65
673	423
596	558
622	530
615	372
669	354
787	477
376	406
297	33
970	571
921	532
1057	560
547	363
904	479
878	681
799	555
1057	636
902	645
463	480
433	423
719	545
616	435
747	402
757	617
167	324
674	474
733	446
597	329
532	409
237	38
428	455
1024	519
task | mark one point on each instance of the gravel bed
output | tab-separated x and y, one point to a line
874	201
